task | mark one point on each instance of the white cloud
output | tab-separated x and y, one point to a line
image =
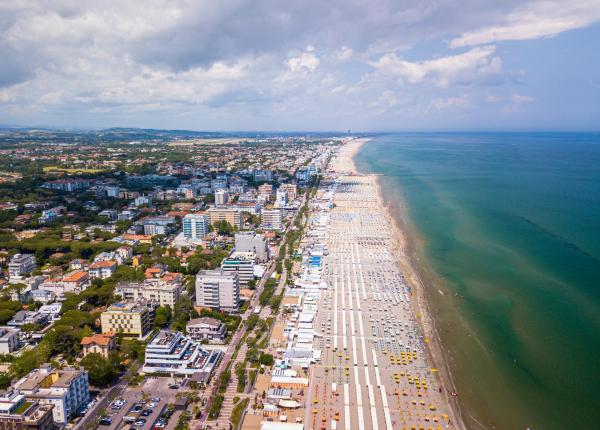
451	102
461	68
306	61
519	98
344	53
533	21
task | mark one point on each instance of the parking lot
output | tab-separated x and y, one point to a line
142	405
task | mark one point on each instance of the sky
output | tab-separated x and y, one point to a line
232	65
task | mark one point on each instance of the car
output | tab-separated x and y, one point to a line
151	405
174	386
105	421
146	412
155	399
140	422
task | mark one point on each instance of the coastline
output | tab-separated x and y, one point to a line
399	229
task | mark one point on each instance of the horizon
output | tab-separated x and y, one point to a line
514	66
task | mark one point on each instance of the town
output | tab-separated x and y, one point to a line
144	279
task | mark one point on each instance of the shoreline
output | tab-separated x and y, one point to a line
398	227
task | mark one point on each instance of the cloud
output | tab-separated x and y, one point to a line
306	61
477	63
344	53
451	102
518	98
533	21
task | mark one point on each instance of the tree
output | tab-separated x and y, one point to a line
5	381
102	371
162	316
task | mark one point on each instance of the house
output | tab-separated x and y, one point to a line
101	344
103	269
76	281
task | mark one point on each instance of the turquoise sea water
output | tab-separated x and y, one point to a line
508	229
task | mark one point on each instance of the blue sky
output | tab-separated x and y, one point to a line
302	65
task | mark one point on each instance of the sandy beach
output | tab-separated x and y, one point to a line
400	229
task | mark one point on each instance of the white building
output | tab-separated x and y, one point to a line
281	198
154	290
175	354
9	339
243	264
21	265
271	219
221	197
66	389
252	242
195	226
218	289
206	328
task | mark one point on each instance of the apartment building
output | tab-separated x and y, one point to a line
155	290
9	339
252	242
21	265
271	219
174	353
129	318
243	264
218	289
66	389
195	226
232	216
206	329
17	413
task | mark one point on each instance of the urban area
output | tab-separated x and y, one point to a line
175	281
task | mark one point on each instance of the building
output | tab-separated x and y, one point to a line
112	191
218	289
17	413
68	185
157	225
271	219
76	281
206	329
221	197
265	191
158	291
22	318
263	176
173	353
252	242
232	216
281	198
291	189
103	269
9	339
129	318
66	389
21	265
243	264
195	226
101	344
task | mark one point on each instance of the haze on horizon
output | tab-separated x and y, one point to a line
302	65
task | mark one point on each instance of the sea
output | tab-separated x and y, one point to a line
504	230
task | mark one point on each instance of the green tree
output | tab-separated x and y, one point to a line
102	371
162	316
5	381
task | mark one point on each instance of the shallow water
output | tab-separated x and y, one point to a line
511	236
